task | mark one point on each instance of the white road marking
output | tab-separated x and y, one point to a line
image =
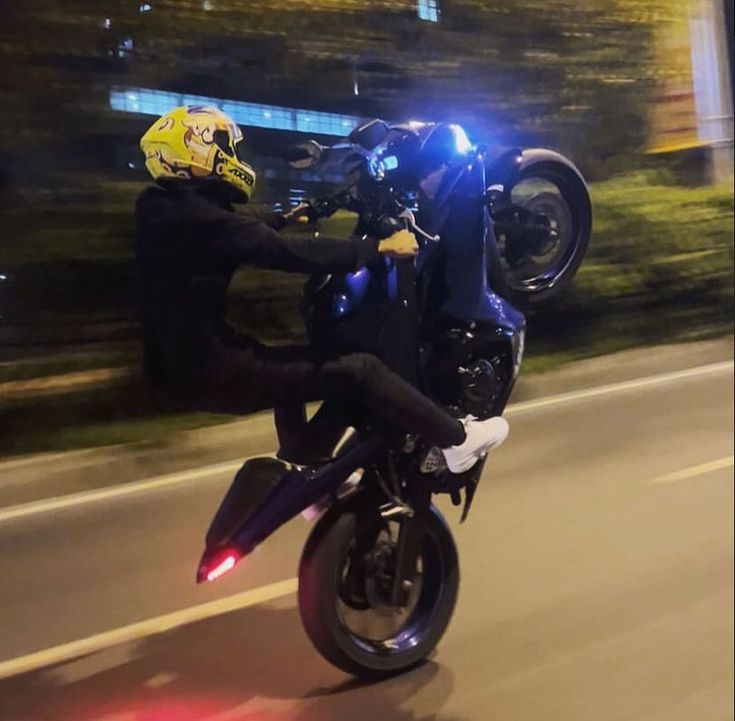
257	707
143	629
694	471
76	499
645	382
124	489
160	680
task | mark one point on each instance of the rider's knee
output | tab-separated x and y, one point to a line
357	369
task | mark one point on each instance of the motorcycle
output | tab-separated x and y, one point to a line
379	574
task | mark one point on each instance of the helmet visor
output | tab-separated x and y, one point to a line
224	142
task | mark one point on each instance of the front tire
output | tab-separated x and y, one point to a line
559	193
328	613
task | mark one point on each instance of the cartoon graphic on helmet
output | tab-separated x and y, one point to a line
197	142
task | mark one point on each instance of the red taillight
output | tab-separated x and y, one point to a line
226	564
214	566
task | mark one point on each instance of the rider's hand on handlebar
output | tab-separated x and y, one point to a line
301	214
310	211
399	245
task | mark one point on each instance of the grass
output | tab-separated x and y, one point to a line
618	332
118	412
43	366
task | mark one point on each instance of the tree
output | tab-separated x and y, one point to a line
558	73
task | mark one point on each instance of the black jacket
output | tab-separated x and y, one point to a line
188	243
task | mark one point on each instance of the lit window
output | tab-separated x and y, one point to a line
125	48
428	10
275	117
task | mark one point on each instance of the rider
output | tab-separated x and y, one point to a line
189	242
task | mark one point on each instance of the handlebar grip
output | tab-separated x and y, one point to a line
389	225
304	212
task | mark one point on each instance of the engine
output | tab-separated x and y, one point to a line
471	369
481	383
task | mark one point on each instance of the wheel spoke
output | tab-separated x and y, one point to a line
536	269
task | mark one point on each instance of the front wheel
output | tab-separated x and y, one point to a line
543	232
345	577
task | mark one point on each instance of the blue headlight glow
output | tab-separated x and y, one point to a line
461	141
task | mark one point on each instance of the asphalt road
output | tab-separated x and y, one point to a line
597	586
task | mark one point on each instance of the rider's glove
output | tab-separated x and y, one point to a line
302	214
312	210
399	245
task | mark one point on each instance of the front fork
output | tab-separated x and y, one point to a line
410	543
413	527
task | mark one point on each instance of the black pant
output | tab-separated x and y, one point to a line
243	380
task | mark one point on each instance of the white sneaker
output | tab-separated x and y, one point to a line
481	437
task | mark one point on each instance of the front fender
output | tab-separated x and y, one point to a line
502	169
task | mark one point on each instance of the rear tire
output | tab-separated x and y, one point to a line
323	566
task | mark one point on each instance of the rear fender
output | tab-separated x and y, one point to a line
251	486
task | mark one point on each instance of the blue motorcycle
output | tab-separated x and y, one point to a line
379	575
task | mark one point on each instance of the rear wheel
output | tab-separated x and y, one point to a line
345	578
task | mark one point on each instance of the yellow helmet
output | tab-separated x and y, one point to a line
197	142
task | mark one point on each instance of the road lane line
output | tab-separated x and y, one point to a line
62	502
694	471
125	489
644	382
143	629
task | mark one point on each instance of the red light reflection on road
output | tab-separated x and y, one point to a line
173	709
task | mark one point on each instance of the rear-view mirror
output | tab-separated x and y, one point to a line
305	155
370	135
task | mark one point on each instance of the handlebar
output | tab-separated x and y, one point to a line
318	208
407	215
